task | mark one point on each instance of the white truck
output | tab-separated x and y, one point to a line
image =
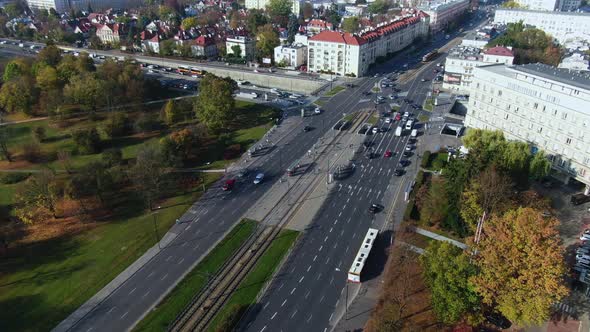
398	131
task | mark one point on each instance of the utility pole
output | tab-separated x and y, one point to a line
156	227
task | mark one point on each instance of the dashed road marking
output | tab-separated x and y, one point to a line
273	315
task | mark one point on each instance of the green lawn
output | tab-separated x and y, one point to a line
423	118
373	119
335	91
45	282
160	318
349	117
429	104
260	274
319	102
437	161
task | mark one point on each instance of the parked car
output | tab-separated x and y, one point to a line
375	208
398	172
388	154
579	198
229	185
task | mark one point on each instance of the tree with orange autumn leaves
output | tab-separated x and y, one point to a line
521	265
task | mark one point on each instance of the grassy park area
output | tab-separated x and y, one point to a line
335	91
160	318
248	290
50	267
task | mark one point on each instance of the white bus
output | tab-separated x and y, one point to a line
354	274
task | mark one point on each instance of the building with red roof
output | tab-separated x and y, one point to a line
347	54
204	46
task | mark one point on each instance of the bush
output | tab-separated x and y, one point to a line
87	140
438	163
425	159
232	318
117	125
32	152
112	157
12	178
146	123
232	151
39	134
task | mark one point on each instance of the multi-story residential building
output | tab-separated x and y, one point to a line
246	44
543	105
351	54
261	4
575	61
462	60
563	26
109	33
291	56
315	26
550	5
204	46
443	12
63	6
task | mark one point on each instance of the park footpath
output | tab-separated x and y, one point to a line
287	126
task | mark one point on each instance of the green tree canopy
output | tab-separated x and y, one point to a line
279	11
215	104
18	96
15	69
351	24
447	271
267	40
190	22
521	265
378	7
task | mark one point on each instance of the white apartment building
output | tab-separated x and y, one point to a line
247	46
563	26
461	61
550	5
443	12
352	54
575	61
261	4
62	6
543	105
292	56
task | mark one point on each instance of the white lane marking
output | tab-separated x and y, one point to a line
321	247
331	228
329	319
281	286
184	243
335	221
133	290
332	280
164	277
113	308
325	239
264	328
306	294
345	251
308	268
319	276
180	261
348	199
310	315
300	280
195	247
293	314
266	305
327	260
283	304
315	257
340	214
293	291
90	329
273	316
189	226
144	295
322	298
169	258
151	274
335	245
125	314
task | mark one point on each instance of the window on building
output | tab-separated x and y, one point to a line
568	141
499	93
564	116
536	105
506	116
540	130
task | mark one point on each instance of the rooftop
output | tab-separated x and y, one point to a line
574	78
500	51
543	12
465	53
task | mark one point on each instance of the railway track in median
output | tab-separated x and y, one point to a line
206	304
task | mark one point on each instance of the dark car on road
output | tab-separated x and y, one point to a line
407	154
307	128
375	208
366	93
398	172
403	163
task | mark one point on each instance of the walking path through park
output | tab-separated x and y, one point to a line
439	237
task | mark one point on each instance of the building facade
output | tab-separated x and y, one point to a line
539	104
550	5
291	56
109	33
575	61
461	61
442	13
63	6
351	54
261	4
563	26
246	44
204	46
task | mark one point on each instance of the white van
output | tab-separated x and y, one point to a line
414	133
398	131
409	125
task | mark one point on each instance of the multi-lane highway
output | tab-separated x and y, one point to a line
305	294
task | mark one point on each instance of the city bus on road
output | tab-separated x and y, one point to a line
354	274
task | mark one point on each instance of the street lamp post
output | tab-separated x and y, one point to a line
156	227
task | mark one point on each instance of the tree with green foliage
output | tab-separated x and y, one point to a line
215	105
148	173
39	134
86	90
117	125
87	140
489	192
435	207
189	23
171	113
146	123
47	79
447	271
4	137
179	146
167	47
255	19
15	69
236	51
513	4
521	265
540	166
50	55
332	16
378	7
267	39
307	11
351	24
112	157
36	197
279	11
18	95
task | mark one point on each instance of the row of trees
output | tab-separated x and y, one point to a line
516	269
481	182
530	45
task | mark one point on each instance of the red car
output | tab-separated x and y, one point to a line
229	185
387	154
398	117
